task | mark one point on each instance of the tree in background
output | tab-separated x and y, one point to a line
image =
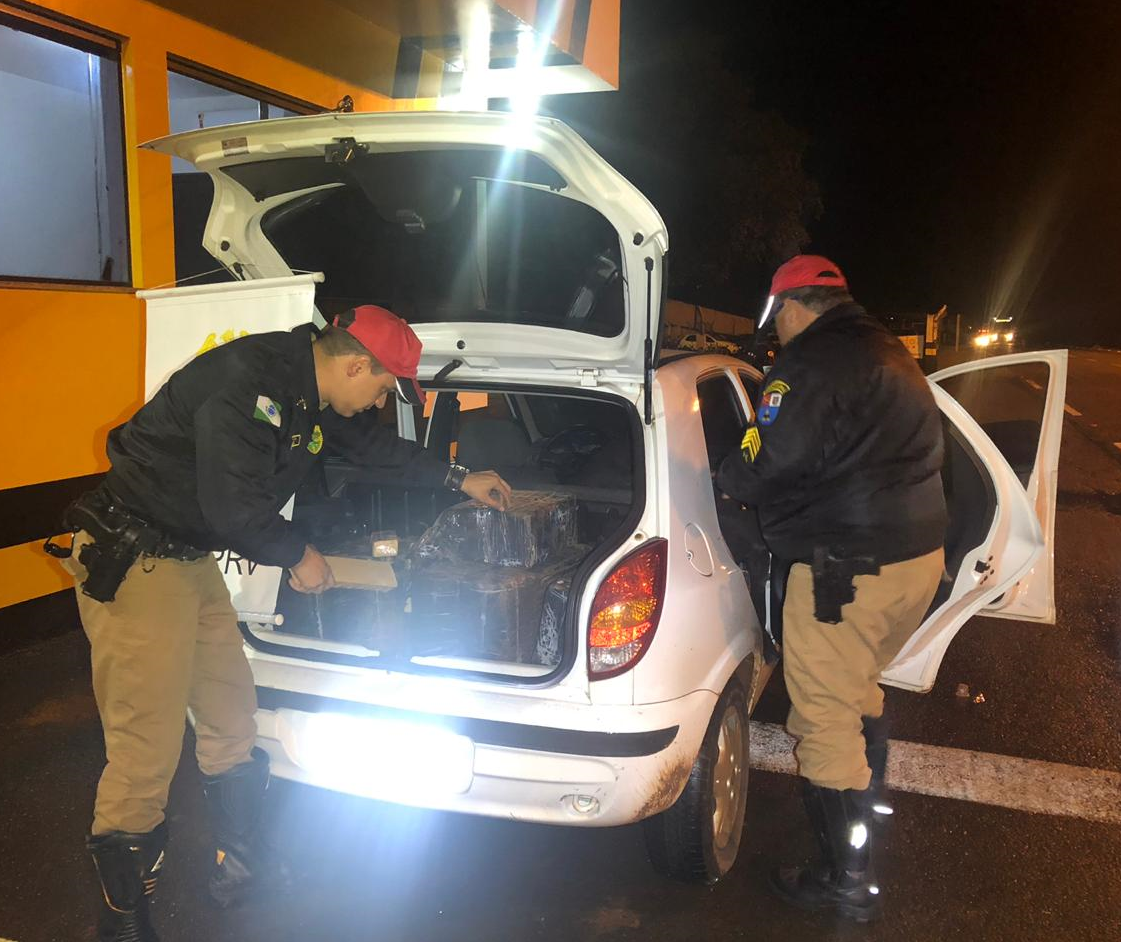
727	177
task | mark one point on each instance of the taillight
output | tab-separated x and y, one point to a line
626	609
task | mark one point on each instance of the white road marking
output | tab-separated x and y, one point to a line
982	777
1033	384
1070	409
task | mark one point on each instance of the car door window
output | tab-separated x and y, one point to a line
1008	403
971	503
721	416
724	422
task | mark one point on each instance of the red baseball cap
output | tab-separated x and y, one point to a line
803	271
391	340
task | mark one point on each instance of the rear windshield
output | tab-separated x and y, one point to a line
427	236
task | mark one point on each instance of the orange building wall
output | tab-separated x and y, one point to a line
73	357
601	53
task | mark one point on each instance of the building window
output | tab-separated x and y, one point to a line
197	99
65	213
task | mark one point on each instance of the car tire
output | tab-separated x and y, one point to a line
696	840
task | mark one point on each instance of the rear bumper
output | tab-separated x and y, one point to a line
623	764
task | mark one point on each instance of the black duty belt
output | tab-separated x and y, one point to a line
118	538
102	515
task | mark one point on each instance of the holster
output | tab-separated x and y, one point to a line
117	539
833	582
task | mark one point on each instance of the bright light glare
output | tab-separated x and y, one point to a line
1031	240
767	310
858	836
529	81
881	808
385	758
1009	337
526	94
982	340
473	20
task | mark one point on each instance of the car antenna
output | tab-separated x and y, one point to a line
648	349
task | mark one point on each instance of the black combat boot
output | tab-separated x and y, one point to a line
875	751
243	862
128	866
841	880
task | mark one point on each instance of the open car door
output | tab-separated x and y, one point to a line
1002	420
1018	401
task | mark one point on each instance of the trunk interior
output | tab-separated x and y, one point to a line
455	585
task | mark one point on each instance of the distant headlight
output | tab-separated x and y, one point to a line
982	340
1009	337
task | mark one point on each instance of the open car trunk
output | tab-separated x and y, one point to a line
452	584
519	255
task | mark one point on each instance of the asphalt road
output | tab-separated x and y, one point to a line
949	868
1093	409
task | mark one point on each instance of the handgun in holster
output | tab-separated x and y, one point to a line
116	540
833	582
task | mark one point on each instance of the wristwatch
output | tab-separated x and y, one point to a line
457	474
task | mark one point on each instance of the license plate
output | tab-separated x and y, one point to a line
382	758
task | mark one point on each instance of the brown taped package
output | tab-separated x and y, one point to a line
351	573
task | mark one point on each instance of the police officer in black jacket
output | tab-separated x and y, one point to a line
843	465
207	465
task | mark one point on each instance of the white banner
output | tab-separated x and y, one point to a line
184	322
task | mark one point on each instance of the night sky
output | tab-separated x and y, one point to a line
966	154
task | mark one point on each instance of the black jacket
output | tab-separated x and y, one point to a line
846	449
219	450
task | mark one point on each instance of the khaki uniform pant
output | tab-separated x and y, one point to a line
833	671
168	640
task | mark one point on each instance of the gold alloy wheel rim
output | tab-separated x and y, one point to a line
729	778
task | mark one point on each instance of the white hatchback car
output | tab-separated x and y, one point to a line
598	666
707	342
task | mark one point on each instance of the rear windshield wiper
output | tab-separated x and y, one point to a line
447	370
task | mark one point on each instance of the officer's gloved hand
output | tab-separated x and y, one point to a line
312	574
489	488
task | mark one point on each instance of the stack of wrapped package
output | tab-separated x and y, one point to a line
480	579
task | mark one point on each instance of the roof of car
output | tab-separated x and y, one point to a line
668	356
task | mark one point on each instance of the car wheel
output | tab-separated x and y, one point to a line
698	837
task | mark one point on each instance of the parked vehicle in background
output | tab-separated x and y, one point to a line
707	342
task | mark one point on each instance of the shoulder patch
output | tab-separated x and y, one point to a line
771	401
267	411
316	442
